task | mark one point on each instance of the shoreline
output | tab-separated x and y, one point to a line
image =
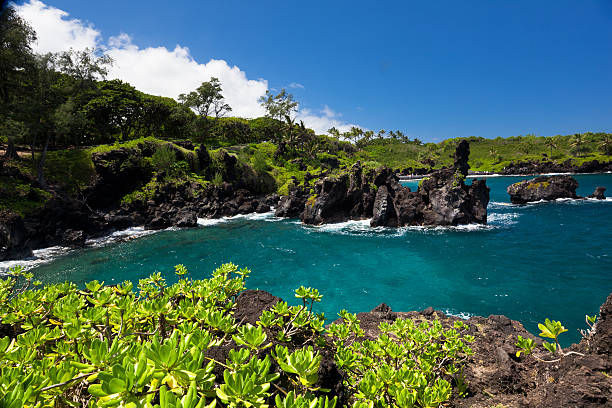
491	175
46	255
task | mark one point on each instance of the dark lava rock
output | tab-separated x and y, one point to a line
73	239
495	376
539	167
118	172
292	205
602	338
462	153
250	304
442	199
598	193
186	219
543	188
13	238
447	200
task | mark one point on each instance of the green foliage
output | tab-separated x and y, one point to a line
259	162
150	346
163	158
408	365
551	329
526	346
20	196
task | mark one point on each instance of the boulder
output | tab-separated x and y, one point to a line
328	203
185	219
598	193
73	238
383	213
543	188
292	205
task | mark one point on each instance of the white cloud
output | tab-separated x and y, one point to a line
159	70
323	120
54	31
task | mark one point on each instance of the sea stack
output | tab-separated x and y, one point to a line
543	188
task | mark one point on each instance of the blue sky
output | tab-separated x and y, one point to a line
433	69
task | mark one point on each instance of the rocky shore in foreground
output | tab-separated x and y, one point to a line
495	376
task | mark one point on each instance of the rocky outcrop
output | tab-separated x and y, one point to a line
540	167
441	199
292	205
64	221
13	238
543	188
118	172
495	376
598	194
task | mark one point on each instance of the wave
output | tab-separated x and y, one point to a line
267	216
122	235
39	257
571	201
461	315
503	218
45	255
362	227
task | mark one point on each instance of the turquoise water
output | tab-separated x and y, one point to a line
531	262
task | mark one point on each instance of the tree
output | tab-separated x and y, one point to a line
10	131
16	56
550	143
82	70
279	106
334	132
84	67
116	112
578	144
206	99
606	144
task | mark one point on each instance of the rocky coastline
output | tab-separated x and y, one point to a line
356	193
494	374
359	193
442	199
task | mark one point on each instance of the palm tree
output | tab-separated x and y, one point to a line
606	144
550	143
493	153
577	144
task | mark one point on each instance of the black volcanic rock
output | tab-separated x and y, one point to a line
598	193
118	172
292	205
543	188
13	238
442	199
462	153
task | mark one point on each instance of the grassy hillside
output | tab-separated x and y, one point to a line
490	154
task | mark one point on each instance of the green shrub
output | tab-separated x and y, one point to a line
163	158
259	162
408	365
151	345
